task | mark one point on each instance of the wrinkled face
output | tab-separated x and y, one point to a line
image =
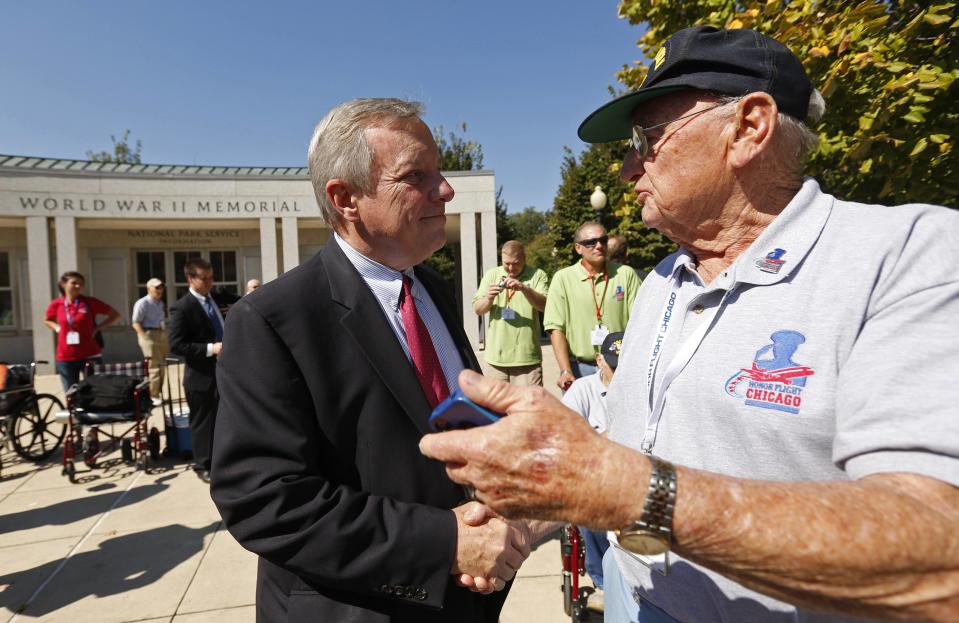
72	287
404	218
681	182
202	282
514	264
594	254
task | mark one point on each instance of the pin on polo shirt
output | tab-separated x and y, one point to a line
772	262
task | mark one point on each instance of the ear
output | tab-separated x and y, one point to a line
341	198
757	119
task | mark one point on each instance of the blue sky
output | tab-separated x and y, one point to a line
243	83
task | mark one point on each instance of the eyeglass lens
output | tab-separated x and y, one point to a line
591	242
641	144
639	141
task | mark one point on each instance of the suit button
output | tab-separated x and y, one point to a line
398	590
420	594
385	588
409	592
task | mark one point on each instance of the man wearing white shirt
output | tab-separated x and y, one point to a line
149	321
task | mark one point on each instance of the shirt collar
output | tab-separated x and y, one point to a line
780	248
385	282
584	274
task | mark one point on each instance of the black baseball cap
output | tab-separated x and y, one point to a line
732	62
612	346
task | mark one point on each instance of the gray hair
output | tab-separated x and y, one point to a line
796	140
339	148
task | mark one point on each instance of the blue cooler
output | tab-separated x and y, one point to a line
178	433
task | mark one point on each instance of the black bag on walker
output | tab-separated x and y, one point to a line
110	392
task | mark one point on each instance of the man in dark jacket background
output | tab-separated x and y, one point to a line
196	334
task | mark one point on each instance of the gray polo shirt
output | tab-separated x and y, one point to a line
829	350
149	312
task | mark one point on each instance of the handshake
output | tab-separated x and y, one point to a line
489	548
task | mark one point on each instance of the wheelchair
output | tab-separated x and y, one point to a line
28	420
573	553
88	414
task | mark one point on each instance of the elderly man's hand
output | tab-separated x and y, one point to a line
533	463
489	549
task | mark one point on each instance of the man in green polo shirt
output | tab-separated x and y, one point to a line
513	295
587	301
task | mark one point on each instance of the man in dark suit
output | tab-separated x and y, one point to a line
196	334
326	388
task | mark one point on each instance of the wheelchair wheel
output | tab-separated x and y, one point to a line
35	431
153	442
126	450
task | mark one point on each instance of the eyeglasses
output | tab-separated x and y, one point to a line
640	142
589	243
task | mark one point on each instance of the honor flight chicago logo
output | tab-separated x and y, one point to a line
774	380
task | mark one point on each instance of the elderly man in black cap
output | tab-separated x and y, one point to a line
783	440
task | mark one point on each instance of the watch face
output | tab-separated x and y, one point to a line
644	543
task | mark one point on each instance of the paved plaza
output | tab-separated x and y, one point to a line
124	545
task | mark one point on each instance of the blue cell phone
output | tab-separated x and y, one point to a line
458	411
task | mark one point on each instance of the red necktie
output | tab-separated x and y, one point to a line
425	362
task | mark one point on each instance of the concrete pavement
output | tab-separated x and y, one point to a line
124	545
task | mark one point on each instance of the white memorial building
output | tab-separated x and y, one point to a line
121	224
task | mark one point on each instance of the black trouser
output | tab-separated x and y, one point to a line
203	406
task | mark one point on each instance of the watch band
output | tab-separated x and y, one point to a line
656	521
660	499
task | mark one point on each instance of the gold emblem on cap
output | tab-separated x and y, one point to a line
660	57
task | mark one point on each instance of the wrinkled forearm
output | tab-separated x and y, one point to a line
884	547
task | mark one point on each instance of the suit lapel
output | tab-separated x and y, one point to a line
363	320
450	318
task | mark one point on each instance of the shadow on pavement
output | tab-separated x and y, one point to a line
69	511
118	565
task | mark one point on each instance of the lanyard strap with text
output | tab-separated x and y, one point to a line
678	363
66	310
602	300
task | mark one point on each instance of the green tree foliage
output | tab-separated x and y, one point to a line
122	151
886	69
527	224
531	227
456	153
599	165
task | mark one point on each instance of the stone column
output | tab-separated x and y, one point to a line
488	240
468	273
66	239
268	248
38	261
291	243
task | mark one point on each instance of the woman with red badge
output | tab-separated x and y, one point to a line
73	318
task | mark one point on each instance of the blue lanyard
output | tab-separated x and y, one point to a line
66	310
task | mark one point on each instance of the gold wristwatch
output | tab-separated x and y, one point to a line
652	534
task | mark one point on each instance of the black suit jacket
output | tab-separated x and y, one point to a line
188	332
316	465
